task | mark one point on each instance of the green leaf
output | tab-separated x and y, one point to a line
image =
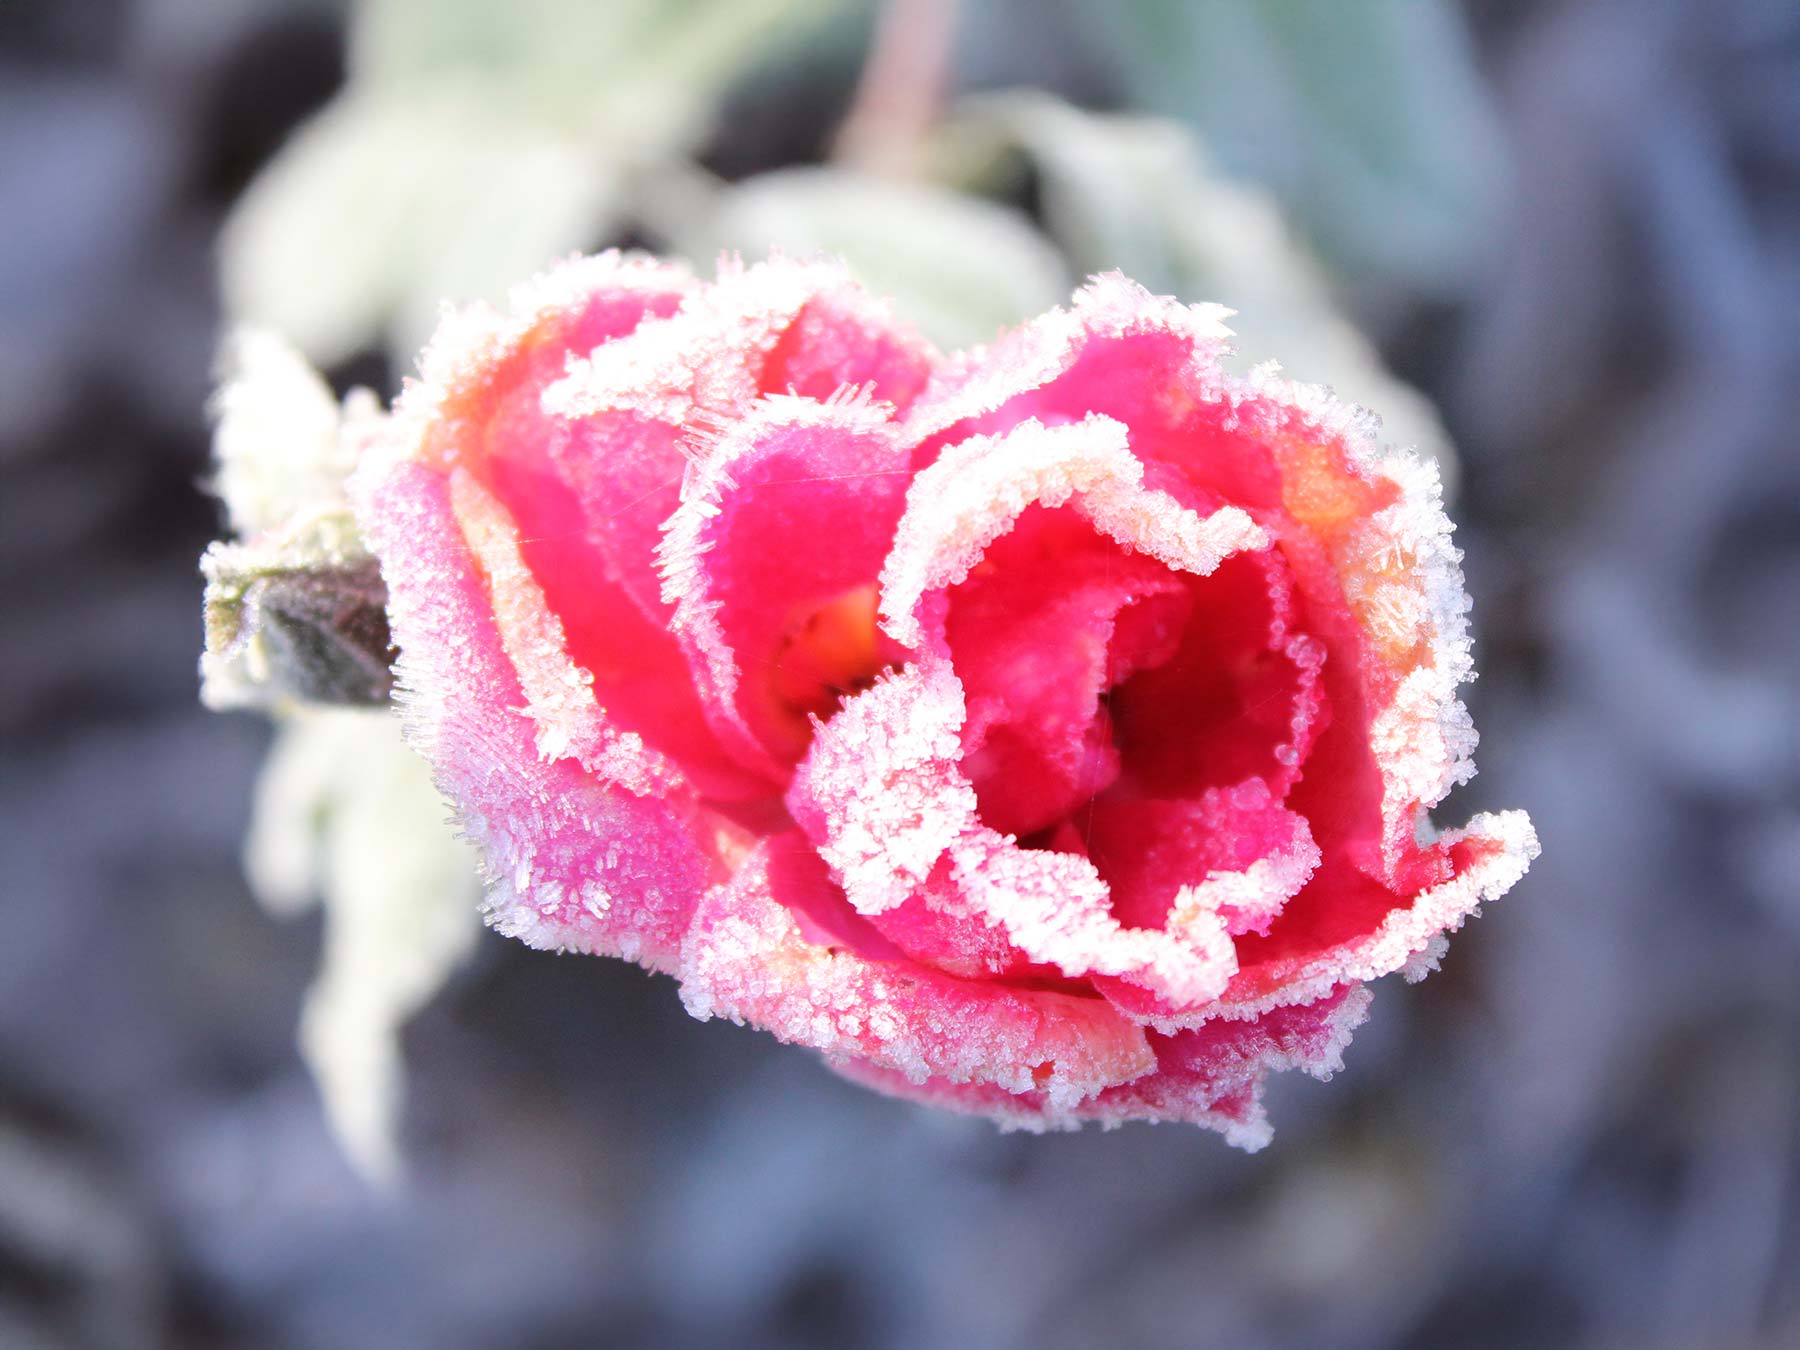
475	144
647	71
1366	117
286	626
382	208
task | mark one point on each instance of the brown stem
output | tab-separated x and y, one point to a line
901	89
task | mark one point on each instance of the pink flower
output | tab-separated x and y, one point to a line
1045	731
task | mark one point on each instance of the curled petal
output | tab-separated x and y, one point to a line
880	794
977	489
1053	617
1233	851
476	411
639	410
1240	697
778	631
1484	860
884	801
1117	351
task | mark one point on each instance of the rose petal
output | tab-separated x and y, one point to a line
1031	636
885	802
781	529
1212	1077
1241	697
476	410
1117	352
748	959
573	859
1235	851
976	490
639	409
1300	956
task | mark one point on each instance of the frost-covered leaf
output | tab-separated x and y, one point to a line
474	143
960	267
644	72
275	442
296	615
295	609
1367	118
346	815
1140	195
384	206
290	626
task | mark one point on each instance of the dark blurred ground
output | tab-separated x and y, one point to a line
1583	1132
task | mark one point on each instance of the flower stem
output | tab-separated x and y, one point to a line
901	89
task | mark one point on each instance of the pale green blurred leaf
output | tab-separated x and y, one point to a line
475	144
295	607
346	815
647	70
276	442
959	267
1367	117
383	207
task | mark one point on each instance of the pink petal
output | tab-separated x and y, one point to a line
575	858
1377	582
1031	636
748	959
882	797
1212	1077
975	491
639	409
477	409
1241	695
1298	958
1236	850
771	562
1116	352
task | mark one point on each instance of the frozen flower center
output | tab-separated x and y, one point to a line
1103	686
827	653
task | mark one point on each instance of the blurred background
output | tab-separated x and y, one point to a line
1561	236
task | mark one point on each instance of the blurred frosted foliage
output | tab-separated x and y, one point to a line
1140	194
295	608
381	208
959	267
473	143
346	815
1368	118
276	439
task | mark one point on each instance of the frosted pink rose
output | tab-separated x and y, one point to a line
1045	732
